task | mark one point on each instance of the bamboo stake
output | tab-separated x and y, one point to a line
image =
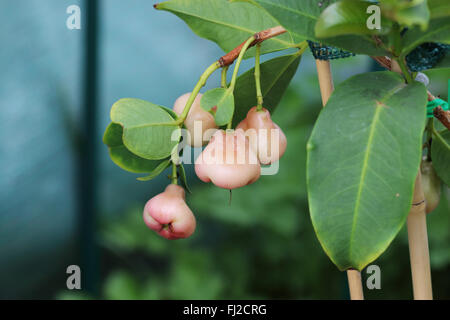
355	284
325	79
418	245
418	238
326	88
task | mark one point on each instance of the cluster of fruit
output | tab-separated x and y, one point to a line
231	159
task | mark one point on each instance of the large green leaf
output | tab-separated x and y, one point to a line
300	17
276	74
440	154
121	156
148	130
438	28
226	23
363	158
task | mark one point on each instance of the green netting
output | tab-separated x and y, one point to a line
435	103
322	52
426	56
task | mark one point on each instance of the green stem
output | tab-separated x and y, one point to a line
238	62
439	137
396	39
259	96
201	82
174	177
405	71
223	81
301	48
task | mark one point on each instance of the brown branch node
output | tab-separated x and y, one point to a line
443	116
261	36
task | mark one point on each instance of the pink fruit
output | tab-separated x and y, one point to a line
198	121
228	161
266	137
168	214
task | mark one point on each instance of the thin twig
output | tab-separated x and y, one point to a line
439	113
261	36
443	116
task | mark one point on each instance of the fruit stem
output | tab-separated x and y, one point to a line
174	176
259	96
238	61
201	82
223	81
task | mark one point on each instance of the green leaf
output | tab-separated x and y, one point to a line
407	13
417	15
157	171
300	18
347	17
113	135
226	23
147	128
220	102
440	154
363	158
170	111
121	156
438	31
439	8
276	74
438	28
183	178
400	4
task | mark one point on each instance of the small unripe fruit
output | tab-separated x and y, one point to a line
197	117
228	161
168	214
266	137
431	185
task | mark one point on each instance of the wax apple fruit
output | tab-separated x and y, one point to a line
168	214
197	118
228	161
266	137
